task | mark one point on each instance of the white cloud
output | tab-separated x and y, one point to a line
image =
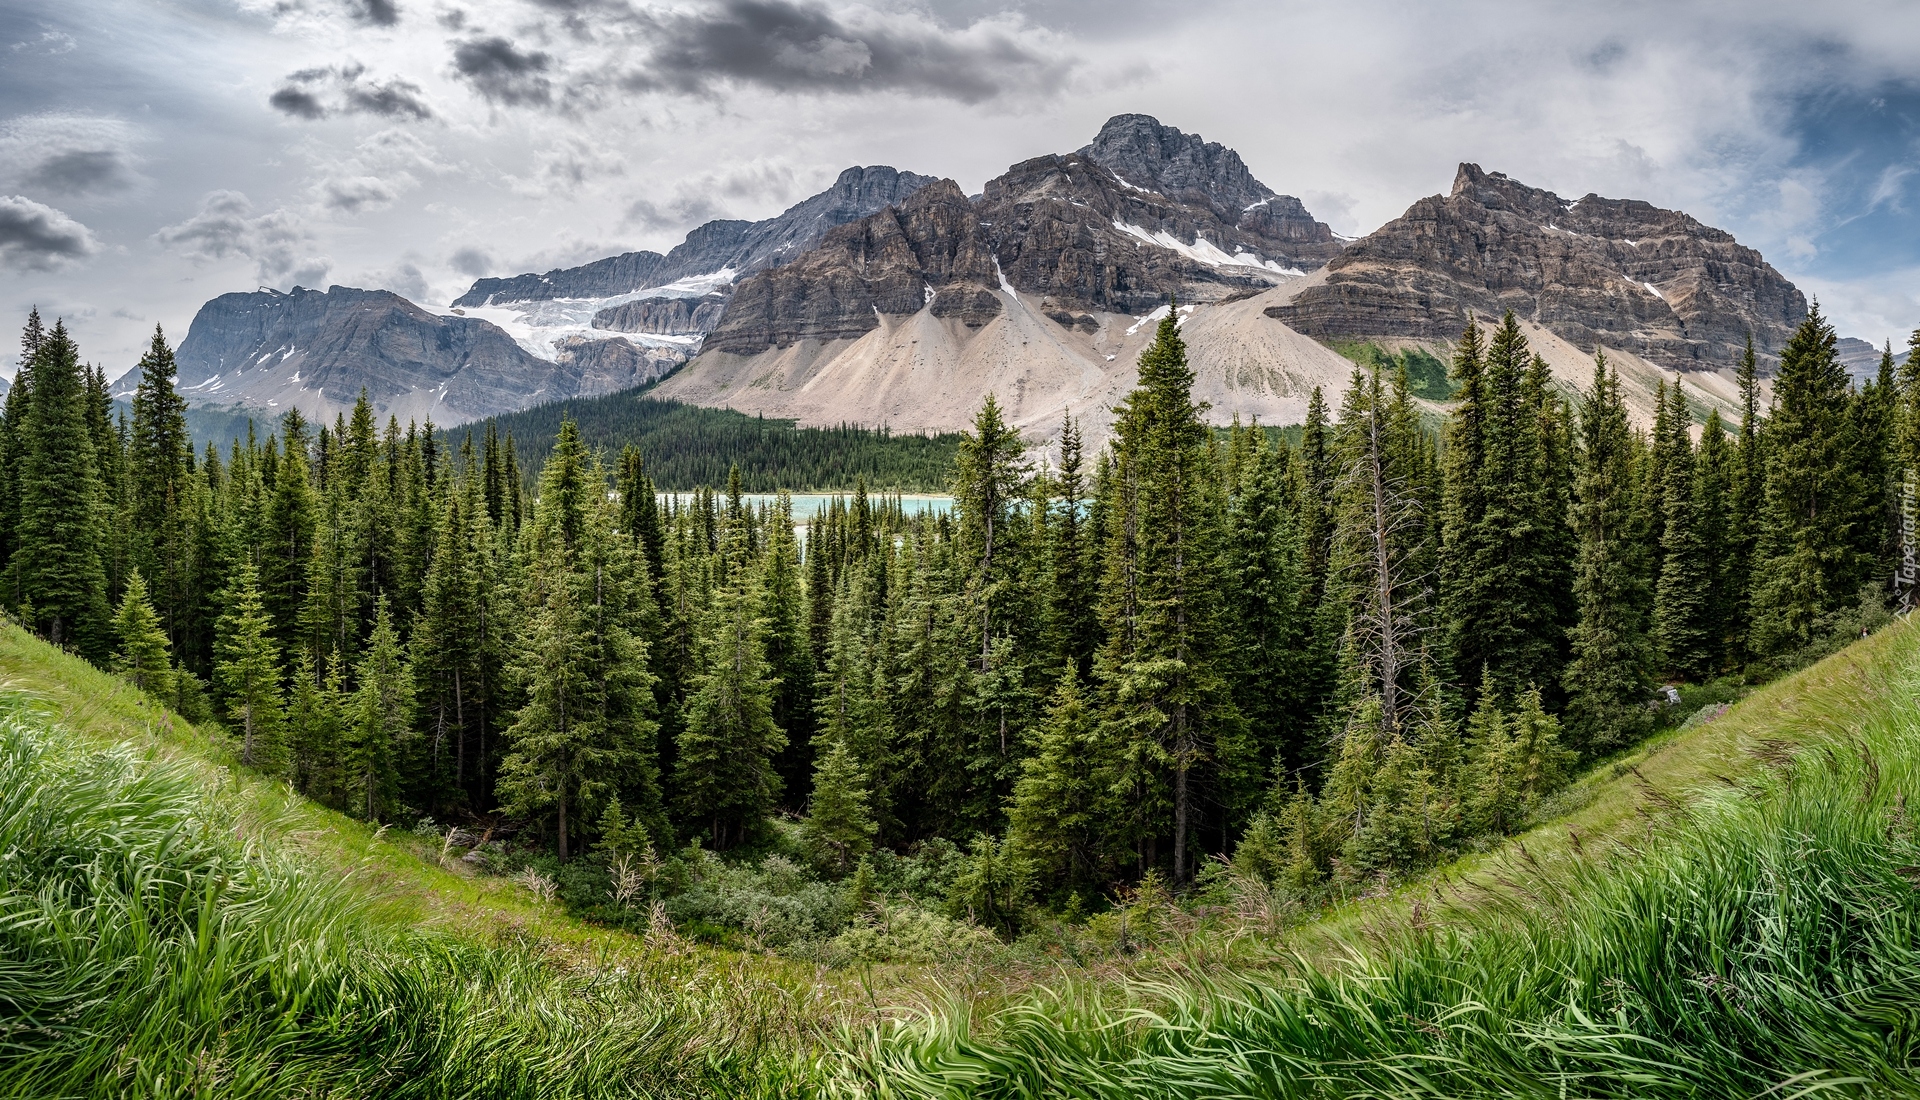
225	227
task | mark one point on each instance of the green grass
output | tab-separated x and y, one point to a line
1740	917
1731	909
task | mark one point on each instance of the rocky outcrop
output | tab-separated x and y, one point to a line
1064	229
740	246
318	350
1597	272
591	367
667	316
1146	153
927	253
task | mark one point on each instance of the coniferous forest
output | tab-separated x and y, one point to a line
1328	663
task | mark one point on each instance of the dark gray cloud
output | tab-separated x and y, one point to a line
793	47
503	73
473	262
297	102
80	171
380	13
35	237
316	93
357	193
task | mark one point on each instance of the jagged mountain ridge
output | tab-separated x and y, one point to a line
740	246
841	330
316	350
1066	229
1618	273
1141	150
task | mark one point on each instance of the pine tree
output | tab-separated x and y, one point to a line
1503	562
1745	496
1540	763
1607	679
725	777
287	538
1160	676
789	658
838	828
1807	561
1713	472
140	652
1495	795
380	718
248	671
586	730
62	505
315	733
1682	608
1262	555
1059	811
1075	629
13	441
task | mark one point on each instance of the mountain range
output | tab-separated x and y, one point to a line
895	298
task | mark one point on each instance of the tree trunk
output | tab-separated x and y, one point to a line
563	822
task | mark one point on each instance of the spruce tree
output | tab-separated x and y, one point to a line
315	729
1607	680
62	506
1808	565
1746	493
1682	602
1059	813
1162	681
1071	618
248	671
287	540
379	722
838	829
725	777
140	647
13	439
586	730
1264	571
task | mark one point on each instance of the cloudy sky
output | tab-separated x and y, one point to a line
155	153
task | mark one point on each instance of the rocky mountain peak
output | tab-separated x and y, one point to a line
1619	273
1145	153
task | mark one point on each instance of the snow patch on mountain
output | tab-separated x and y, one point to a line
544	325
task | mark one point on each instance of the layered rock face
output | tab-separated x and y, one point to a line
1065	229
740	246
1594	271
928	253
1144	152
667	316
317	350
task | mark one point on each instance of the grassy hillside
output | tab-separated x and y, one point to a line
1735	911
1728	908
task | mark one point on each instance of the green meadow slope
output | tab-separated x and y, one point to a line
1731	910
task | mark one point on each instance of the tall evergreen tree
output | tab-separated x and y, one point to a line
1607	680
1162	683
1746	494
140	646
248	671
380	718
586	731
1807	564
62	505
725	779
1682	607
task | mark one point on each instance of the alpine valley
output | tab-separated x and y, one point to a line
895	299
